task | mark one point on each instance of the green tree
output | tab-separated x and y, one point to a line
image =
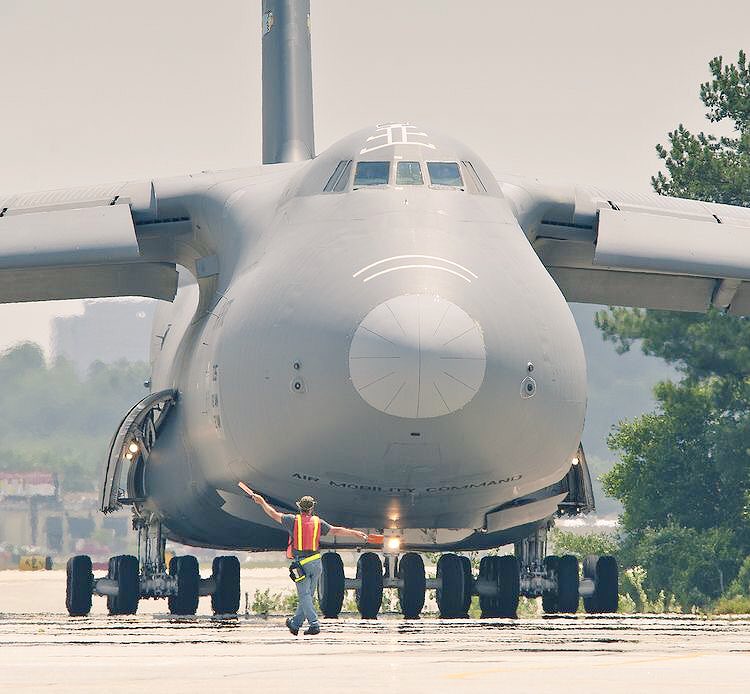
684	471
583	544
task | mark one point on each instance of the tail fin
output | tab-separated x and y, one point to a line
287	82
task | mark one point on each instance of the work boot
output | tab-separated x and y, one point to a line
291	628
312	631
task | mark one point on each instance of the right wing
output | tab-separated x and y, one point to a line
633	249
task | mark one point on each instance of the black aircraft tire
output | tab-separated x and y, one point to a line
188	585
124	569
226	574
567	584
549	597
331	587
607	597
370	595
604	573
468	585
79	586
589	571
129	584
412	594
450	595
509	585
487	605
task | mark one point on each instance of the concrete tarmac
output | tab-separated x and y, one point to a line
51	652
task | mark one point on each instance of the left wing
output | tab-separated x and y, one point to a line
641	250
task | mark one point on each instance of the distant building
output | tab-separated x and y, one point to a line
27	501
108	330
25	485
33	514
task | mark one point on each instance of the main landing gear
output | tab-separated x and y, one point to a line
499	583
131	578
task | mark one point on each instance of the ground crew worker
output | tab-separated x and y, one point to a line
305	530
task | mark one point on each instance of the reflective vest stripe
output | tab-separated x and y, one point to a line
316	531
298	527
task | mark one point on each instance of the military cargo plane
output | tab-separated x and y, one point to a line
384	326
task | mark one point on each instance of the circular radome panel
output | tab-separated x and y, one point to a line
417	356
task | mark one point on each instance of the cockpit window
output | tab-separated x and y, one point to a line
409	173
444	173
372	173
340	177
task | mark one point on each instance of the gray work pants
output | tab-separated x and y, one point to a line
305	592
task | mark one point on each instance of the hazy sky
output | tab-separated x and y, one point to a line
98	90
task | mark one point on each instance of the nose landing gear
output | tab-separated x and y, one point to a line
131	578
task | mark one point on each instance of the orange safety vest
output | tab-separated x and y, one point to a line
305	535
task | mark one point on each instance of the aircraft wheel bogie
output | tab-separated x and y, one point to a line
369	595
79	585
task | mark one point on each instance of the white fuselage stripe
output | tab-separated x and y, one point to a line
421	257
409	267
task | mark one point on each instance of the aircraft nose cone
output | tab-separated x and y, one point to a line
417	356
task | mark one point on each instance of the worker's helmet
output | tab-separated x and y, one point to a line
306	504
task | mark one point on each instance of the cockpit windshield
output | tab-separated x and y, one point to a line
444	173
408	173
372	173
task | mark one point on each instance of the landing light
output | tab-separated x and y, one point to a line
133	447
393	544
575	461
128	456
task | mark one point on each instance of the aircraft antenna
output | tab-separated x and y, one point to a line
287	82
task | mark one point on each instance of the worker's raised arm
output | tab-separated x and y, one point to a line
347	532
269	510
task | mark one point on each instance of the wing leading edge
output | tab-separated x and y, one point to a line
640	250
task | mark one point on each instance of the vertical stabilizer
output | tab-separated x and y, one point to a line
287	82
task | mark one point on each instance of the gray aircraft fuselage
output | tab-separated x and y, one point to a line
397	351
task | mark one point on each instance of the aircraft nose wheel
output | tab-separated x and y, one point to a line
411	595
369	595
